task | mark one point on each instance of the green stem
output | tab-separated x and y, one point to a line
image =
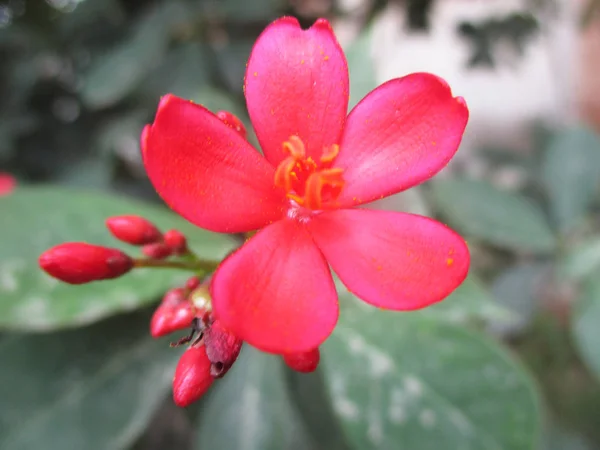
190	256
196	266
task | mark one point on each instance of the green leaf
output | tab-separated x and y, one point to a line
557	438
250	408
88	13
94	388
35	219
361	67
516	288
471	301
398	381
183	72
242	10
585	320
571	175
115	74
215	100
582	261
231	60
481	211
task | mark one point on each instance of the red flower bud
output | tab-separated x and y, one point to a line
7	184
222	348
192	283
192	376
303	362
158	250
174	313
233	122
176	241
78	262
134	230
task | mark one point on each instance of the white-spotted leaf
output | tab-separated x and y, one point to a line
35	219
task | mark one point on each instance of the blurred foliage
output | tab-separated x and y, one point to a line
80	78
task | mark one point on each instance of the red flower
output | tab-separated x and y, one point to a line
276	292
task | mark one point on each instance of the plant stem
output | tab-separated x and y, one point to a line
196	266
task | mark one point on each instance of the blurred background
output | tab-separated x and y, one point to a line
80	78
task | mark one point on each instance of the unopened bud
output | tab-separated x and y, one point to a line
222	348
233	122
134	230
78	262
303	362
192	376
158	250
176	241
174	313
7	184
192	283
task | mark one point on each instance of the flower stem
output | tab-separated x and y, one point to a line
196	266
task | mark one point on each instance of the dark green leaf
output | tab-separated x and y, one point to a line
87	13
183	72
94	388
241	10
479	210
215	100
250	409
115	74
516	288
471	301
399	381
557	438
583	260
571	174
35	219
586	331
231	60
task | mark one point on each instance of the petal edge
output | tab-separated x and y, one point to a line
392	260
401	134
206	171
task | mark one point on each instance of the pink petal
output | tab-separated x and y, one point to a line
276	292
392	260
206	172
297	84
399	135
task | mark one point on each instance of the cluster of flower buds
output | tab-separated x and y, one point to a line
136	230
79	262
212	350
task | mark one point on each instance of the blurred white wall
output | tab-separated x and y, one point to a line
505	100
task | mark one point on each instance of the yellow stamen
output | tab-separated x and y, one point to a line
330	153
309	183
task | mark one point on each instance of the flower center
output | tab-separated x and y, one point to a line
311	184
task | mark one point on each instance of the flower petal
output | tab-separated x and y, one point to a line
392	260
297	84
399	135
206	172
276	292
